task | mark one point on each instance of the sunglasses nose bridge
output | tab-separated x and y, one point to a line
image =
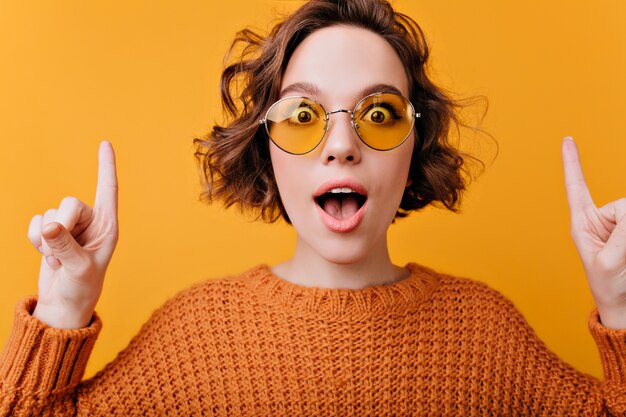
350	112
340	111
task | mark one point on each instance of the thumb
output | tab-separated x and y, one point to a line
62	245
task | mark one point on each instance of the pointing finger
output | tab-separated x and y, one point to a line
578	195
106	191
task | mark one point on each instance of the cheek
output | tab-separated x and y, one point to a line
395	172
287	178
280	167
398	162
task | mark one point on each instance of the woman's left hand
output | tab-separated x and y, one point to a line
600	237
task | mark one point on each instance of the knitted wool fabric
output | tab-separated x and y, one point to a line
257	345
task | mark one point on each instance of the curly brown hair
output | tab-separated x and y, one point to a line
234	158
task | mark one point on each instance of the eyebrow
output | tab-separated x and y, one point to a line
380	88
312	90
302	87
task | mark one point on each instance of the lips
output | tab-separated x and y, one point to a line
341	204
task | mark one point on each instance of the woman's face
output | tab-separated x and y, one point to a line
337	66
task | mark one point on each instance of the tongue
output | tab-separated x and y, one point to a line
341	208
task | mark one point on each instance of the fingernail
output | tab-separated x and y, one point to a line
51	230
40	249
52	261
568	138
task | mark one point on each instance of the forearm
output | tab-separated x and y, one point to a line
41	366
613	318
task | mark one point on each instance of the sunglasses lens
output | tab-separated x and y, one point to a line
296	124
383	121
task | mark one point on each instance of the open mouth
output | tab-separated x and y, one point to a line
341	203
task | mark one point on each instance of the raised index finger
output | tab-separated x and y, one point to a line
578	195
106	191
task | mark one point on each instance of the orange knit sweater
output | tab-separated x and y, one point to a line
255	345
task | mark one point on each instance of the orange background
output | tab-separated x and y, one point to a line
145	75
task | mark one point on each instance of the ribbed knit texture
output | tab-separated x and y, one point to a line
257	345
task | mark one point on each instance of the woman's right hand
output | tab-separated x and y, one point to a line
77	243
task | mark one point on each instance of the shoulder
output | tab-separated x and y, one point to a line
472	313
469	300
462	289
210	295
457	287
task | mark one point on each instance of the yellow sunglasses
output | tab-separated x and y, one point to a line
382	121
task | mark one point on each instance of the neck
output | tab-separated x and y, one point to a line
310	269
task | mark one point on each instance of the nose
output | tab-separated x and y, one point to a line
341	143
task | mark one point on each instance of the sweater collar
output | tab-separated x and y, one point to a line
395	298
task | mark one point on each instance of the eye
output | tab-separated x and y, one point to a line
380	114
303	115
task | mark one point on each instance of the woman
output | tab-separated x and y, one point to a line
339	150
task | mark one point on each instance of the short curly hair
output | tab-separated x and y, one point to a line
234	158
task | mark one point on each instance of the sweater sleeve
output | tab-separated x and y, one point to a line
41	368
41	365
514	373
612	348
541	383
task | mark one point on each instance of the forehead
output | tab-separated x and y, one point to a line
341	63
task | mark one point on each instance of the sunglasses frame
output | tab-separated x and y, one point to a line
352	122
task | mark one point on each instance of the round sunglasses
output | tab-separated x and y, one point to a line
382	121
